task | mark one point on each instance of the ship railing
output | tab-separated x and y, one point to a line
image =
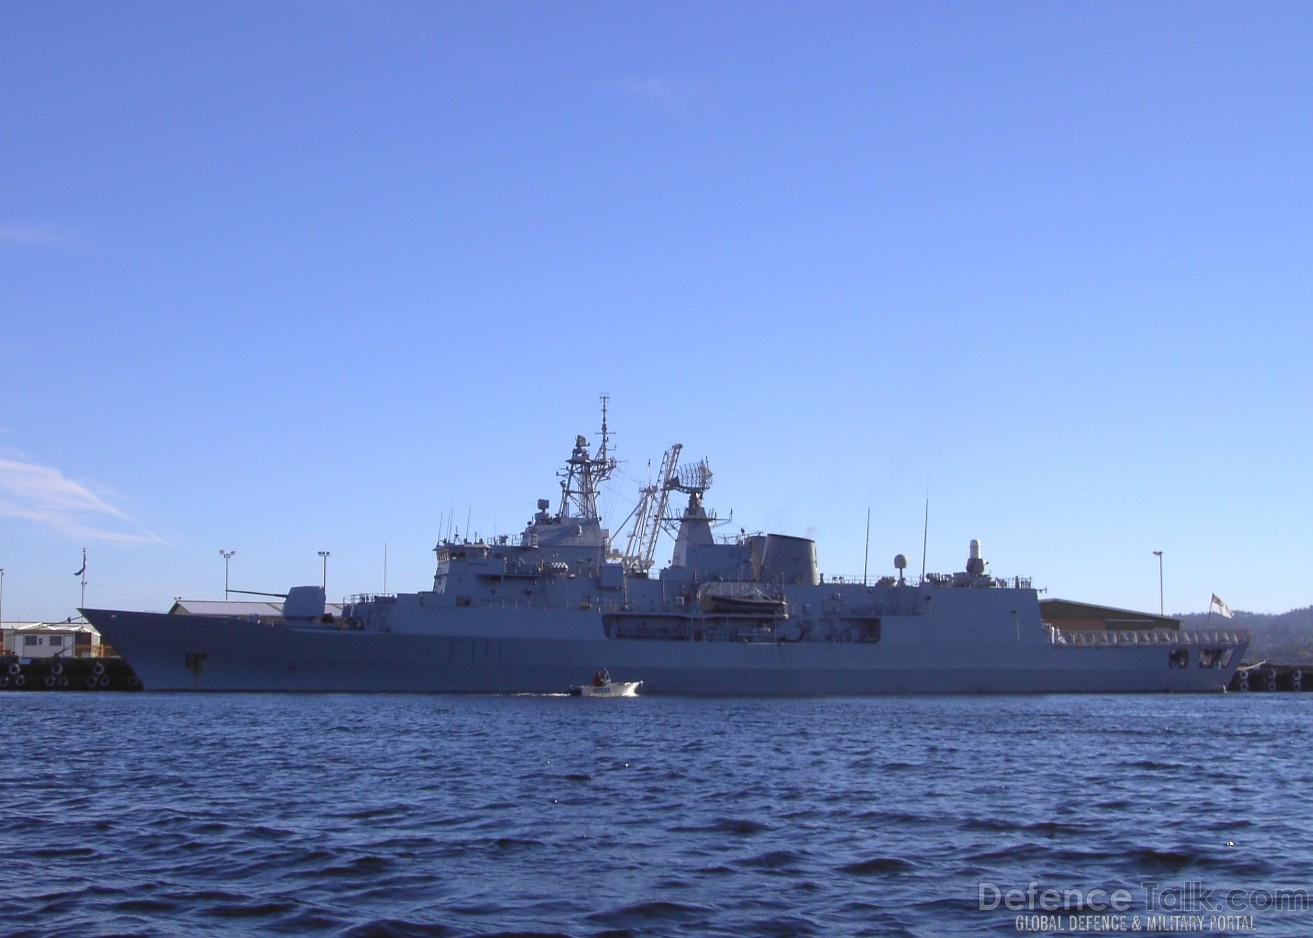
1089	638
868	580
935	579
584	603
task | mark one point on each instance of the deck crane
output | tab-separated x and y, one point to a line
648	514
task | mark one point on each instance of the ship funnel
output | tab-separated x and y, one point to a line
789	560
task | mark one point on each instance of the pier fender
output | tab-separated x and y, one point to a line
14	669
98	668
49	680
56	669
91	681
4	680
19	680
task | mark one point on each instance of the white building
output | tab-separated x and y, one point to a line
50	640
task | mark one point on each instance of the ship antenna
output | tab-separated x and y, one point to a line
925	534
866	556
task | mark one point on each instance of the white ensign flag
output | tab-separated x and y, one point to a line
1219	607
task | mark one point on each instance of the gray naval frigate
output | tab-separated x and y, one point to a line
746	615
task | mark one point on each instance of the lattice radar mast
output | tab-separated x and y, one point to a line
584	475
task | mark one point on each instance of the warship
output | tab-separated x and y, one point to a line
745	615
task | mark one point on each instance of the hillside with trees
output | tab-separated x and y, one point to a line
1281	639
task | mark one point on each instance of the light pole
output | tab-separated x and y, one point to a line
1159	555
2	597
227	555
324	554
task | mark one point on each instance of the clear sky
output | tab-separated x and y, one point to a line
282	277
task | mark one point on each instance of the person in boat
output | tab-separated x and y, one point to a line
602	678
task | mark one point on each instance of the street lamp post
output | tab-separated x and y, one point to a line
227	555
1159	555
325	554
2	597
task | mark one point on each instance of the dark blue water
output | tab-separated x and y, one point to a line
372	815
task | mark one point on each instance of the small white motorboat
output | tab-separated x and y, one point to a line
603	686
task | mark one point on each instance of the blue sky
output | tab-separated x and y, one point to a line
286	277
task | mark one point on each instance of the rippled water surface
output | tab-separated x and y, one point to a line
162	814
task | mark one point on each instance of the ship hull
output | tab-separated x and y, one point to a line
550	653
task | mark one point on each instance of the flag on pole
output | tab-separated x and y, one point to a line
84	566
1219	607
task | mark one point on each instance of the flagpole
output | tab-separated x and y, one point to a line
83	571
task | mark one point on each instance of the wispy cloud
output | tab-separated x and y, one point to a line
677	97
35	236
44	495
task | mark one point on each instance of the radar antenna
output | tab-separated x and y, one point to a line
694	479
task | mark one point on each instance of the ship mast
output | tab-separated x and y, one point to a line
694	524
584	473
